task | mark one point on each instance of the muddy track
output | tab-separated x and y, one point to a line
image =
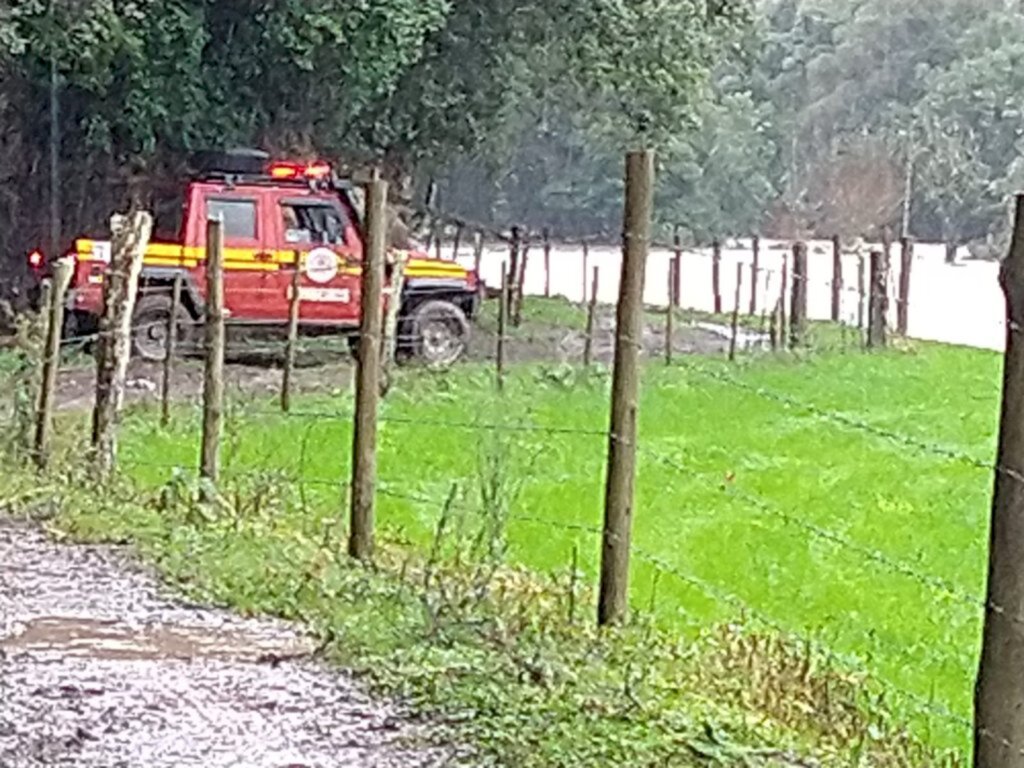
254	366
101	667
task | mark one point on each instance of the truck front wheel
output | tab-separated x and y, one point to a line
149	328
440	333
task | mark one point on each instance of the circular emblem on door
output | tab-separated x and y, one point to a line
321	265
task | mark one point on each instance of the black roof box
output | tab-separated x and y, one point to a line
230	161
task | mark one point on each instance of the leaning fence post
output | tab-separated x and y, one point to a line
755	272
478	251
170	350
364	434
130	236
878	301
798	297
588	341
861	297
620	478
503	300
294	299
517	305
998	725
515	248
783	332
63	269
457	243
837	278
213	376
903	305
716	275
735	330
547	263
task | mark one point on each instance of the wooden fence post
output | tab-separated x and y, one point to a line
586	264
716	275
478	251
837	278
588	342
294	301
170	351
736	312
755	272
999	703
457	243
213	372
515	249
130	236
798	297
517	305
677	285
547	263
619	488
783	328
879	300
903	305
389	347
502	329
861	297
364	434
670	312
63	269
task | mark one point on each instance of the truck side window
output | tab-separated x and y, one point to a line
239	217
312	223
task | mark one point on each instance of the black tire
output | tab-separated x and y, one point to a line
439	333
149	328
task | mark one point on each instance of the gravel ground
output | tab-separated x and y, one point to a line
101	667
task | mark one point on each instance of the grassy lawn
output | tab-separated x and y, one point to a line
736	490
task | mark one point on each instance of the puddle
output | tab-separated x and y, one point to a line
99	639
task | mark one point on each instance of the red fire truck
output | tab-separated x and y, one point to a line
273	214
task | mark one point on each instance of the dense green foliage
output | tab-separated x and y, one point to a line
809	128
398	82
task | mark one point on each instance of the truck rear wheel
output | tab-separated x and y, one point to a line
440	333
149	328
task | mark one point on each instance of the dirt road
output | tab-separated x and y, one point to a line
101	667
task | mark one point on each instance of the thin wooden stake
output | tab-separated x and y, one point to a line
547	263
588	341
517	305
63	269
677	283
736	312
170	351
364	434
716	275
783	327
457	243
670	313
213	378
478	251
613	598
755	274
861	298
294	302
502	329
586	264
903	305
837	278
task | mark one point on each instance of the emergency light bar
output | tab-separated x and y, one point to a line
286	170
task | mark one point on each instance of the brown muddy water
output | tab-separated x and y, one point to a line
100	667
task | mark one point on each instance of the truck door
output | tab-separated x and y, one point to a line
330	252
247	259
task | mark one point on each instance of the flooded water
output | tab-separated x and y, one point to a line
99	667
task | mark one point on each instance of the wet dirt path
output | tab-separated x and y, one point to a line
100	667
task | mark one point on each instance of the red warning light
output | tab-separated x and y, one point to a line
35	259
286	171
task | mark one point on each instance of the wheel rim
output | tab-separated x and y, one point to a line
150	338
442	344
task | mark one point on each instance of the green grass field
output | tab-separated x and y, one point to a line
813	524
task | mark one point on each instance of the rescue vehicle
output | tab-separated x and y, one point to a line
273	213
